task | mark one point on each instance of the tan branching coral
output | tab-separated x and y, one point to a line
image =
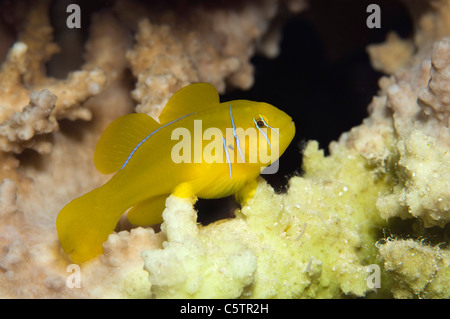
36	118
391	55
436	96
407	135
23	72
211	44
418	270
37	186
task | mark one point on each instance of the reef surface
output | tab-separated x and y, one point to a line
324	238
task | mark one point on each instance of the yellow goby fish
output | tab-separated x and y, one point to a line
201	147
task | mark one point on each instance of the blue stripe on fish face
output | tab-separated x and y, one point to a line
261	118
228	157
263	133
148	136
235	136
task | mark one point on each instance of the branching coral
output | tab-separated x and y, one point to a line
411	140
418	270
30	256
435	98
276	247
392	55
36	118
111	277
36	185
213	262
407	137
316	240
210	44
23	72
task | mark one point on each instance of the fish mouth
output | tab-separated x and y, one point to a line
285	126
289	130
289	126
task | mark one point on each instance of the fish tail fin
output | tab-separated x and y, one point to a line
148	212
85	223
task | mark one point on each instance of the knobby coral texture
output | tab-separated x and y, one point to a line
314	241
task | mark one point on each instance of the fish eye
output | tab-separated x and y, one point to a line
260	121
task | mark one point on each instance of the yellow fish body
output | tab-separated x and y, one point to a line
201	147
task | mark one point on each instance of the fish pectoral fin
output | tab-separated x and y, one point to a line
84	224
119	140
246	192
195	97
148	212
187	190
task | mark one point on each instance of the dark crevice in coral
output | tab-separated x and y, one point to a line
414	229
70	40
223	208
31	158
75	130
12	15
323	77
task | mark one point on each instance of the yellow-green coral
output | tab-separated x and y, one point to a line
210	262
315	241
418	270
421	171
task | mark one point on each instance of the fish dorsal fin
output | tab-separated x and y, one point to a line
195	97
119	140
